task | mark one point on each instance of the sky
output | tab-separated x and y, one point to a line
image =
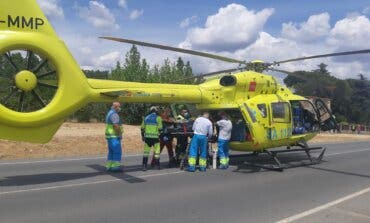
246	30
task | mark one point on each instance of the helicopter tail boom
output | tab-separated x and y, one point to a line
106	91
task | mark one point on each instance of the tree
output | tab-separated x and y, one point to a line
132	67
117	73
322	69
97	74
350	97
188	71
180	68
359	110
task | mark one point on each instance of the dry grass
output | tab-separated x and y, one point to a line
72	139
75	139
334	138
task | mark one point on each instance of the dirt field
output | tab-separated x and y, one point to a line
74	139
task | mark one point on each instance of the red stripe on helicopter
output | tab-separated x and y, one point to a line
252	86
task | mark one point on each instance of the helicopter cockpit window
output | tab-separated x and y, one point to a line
280	112
262	109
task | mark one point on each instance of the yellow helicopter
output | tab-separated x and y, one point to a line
41	84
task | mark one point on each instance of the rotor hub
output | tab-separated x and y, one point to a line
25	80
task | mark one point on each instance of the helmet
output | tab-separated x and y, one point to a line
153	109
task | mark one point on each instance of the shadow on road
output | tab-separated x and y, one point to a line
340	172
123	175
245	162
23	180
34	179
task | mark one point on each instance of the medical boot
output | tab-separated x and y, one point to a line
191	168
145	163
172	162
108	165
223	166
116	167
157	164
152	163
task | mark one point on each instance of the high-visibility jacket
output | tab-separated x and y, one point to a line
152	126
109	129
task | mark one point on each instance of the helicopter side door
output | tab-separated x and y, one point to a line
256	131
281	120
326	118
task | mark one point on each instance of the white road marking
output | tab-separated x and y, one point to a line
87	183
64	160
324	206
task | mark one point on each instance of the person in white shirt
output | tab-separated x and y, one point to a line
225	127
202	128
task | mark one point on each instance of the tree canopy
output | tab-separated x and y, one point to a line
350	97
135	68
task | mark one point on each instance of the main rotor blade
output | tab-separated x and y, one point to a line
207	74
176	49
325	55
289	73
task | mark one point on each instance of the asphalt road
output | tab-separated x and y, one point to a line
78	190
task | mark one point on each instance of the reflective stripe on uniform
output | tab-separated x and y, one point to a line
151	125
192	161
202	162
109	129
223	161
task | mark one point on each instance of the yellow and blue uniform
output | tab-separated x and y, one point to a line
202	128
113	140
151	128
224	136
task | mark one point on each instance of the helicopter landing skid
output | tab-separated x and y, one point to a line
279	166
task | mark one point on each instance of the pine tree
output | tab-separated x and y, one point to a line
188	72
117	73
132	66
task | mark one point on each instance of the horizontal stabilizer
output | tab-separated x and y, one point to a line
37	134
